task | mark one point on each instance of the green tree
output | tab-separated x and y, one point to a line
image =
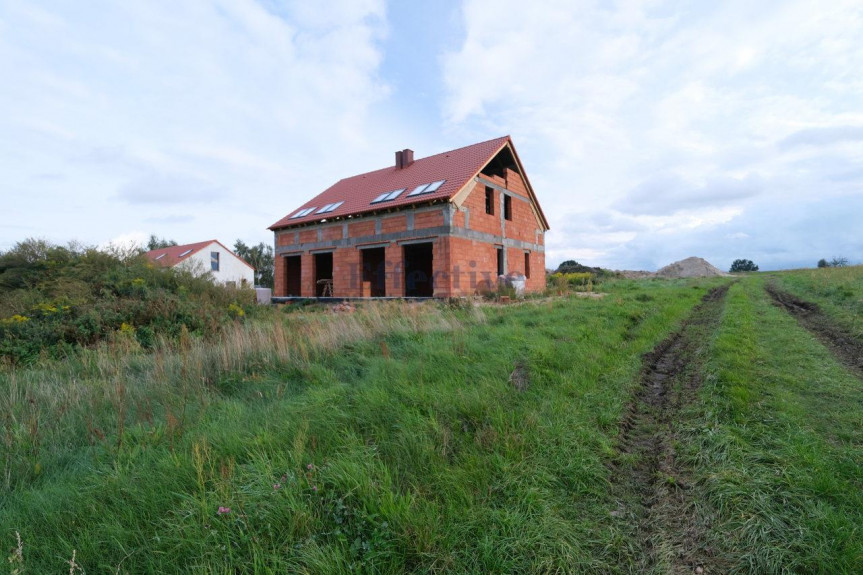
259	257
572	267
157	243
743	266
822	263
32	262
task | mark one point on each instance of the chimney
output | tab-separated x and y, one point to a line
404	158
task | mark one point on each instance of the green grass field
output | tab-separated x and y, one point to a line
838	291
435	439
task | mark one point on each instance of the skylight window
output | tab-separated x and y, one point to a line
160	256
329	207
304	212
185	253
427	188
418	190
434	186
388	196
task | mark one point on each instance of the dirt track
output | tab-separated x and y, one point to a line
847	348
669	526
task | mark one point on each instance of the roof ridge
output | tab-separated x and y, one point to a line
392	167
468	146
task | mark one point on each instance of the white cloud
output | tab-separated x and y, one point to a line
126	242
228	100
688	118
652	130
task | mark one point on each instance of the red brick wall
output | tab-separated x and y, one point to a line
309	236
441	268
361	229
307	275
515	262
477	261
474	266
458	219
515	183
428	219
395	281
537	272
331	233
346	273
394	224
478	219
279	276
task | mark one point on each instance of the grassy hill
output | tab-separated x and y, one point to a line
532	438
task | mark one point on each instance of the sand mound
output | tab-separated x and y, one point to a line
690	268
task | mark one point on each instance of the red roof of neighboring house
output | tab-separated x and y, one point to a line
456	167
172	255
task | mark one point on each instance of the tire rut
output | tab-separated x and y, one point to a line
669	527
847	348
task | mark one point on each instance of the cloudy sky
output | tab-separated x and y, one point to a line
651	130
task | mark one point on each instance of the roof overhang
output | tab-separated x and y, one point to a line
460	196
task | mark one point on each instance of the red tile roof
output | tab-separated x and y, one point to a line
172	255
457	167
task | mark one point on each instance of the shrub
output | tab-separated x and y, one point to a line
577	280
837	262
77	297
743	266
573	267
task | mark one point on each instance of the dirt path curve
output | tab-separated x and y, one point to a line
847	348
656	489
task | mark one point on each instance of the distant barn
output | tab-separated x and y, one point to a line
443	226
211	256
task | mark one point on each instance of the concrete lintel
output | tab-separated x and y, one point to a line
423	240
404	236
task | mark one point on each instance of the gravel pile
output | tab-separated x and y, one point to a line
688	268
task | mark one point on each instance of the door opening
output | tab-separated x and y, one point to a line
324	275
374	272
293	275
419	270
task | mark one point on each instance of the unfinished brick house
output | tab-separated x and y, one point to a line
443	226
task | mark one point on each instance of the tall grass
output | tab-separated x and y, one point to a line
389	440
98	393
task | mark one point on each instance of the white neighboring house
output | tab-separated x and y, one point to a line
211	256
